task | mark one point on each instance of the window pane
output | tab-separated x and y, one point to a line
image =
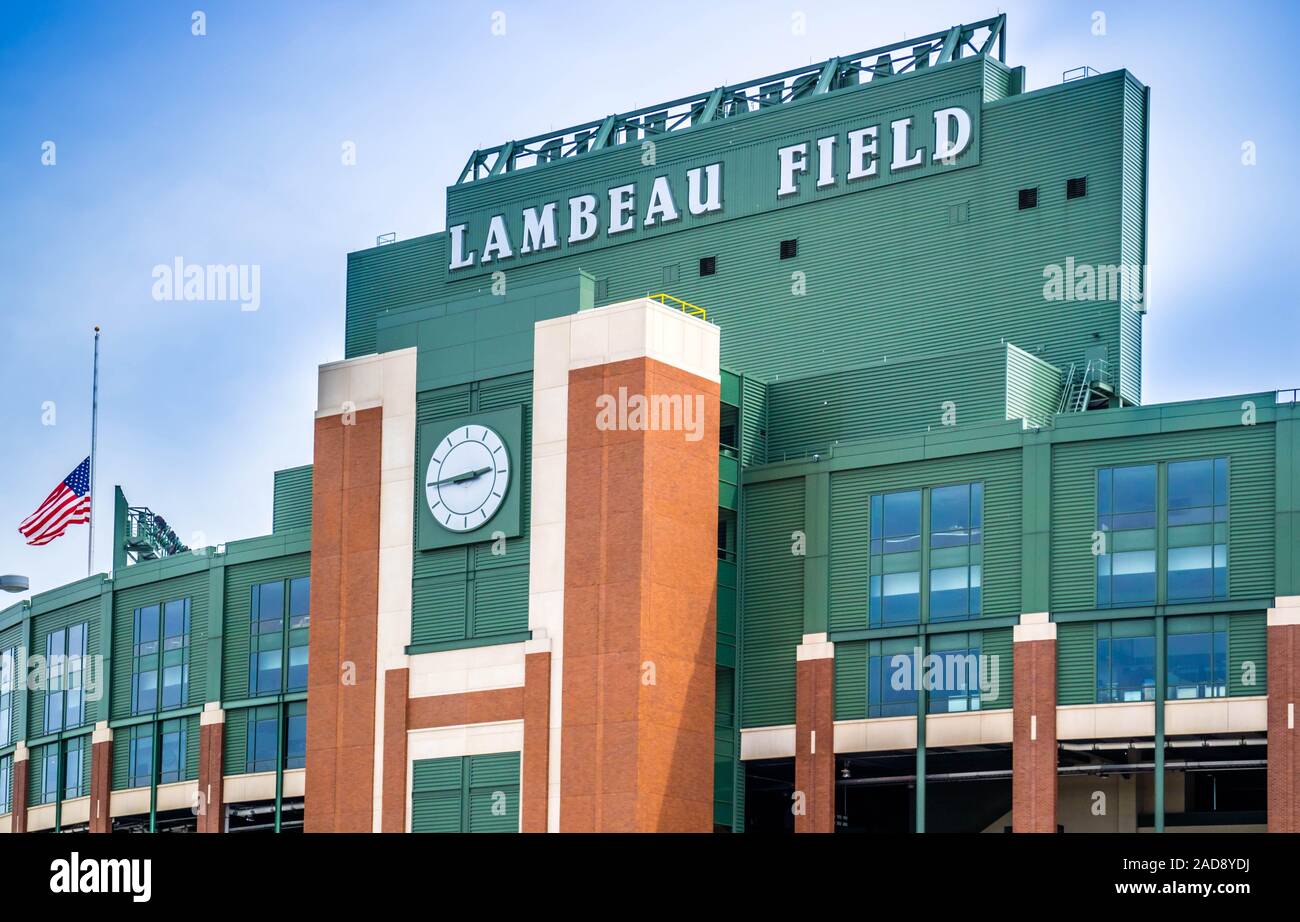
268	671
950	520
1133	577
1134	489
1191	573
300	602
902	521
297	668
902	597
1191	483
270	605
296	741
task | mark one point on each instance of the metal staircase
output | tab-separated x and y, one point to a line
1083	389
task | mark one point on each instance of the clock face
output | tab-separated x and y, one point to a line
467	479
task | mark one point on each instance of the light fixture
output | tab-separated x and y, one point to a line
14	583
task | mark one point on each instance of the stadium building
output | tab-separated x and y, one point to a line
773	458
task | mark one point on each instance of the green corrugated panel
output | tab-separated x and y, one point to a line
850	552
234	757
35	773
500	601
994	260
85	766
773	602
1251	485
438	609
11	639
192	747
1076	663
1033	388
998	643
506	391
388	278
851	680
1133	244
494	769
292	505
899	395
121	757
240	579
753	421
998	471
1248	643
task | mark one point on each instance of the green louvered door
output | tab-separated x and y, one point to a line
466	794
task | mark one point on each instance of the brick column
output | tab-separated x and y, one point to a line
1033	748
344	616
535	793
814	739
393	807
1283	698
640	575
212	736
19	807
101	777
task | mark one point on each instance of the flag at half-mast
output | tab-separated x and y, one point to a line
68	504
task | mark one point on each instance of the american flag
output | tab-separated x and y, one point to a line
68	504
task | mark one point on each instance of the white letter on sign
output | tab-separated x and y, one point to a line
459	258
902	130
700	201
539	230
945	149
582	218
622	202
794	159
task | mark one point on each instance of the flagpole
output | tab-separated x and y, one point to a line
94	433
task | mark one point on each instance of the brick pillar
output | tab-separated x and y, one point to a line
212	736
1283	698
19	807
344	622
537	734
640	575
393	808
101	778
1033	747
814	734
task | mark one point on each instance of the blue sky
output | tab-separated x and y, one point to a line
226	148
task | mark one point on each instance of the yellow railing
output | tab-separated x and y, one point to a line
686	307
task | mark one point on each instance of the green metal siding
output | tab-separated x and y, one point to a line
772	619
234	756
292	504
1250	503
1033	388
1133	233
851	680
983	277
1076	663
753	421
999	643
1248	643
900	394
193	587
850	535
240	579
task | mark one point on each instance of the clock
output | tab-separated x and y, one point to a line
467	478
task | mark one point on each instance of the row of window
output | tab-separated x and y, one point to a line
1196	664
1193	530
948	554
951	678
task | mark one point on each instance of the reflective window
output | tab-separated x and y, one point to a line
160	657
955	675
1126	516
1198	665
279	635
65	658
295	744
49	773
263	725
1126	669
140	756
74	756
891	688
172	744
895	558
956	535
1197	520
6	783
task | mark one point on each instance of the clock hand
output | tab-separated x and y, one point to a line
461	477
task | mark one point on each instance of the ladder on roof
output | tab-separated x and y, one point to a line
1077	390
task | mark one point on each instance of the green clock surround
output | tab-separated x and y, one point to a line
507	424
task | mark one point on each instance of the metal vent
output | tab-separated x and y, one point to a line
789	249
709	265
1077	187
1028	198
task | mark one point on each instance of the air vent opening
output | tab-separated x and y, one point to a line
789	249
708	265
1028	198
1077	187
